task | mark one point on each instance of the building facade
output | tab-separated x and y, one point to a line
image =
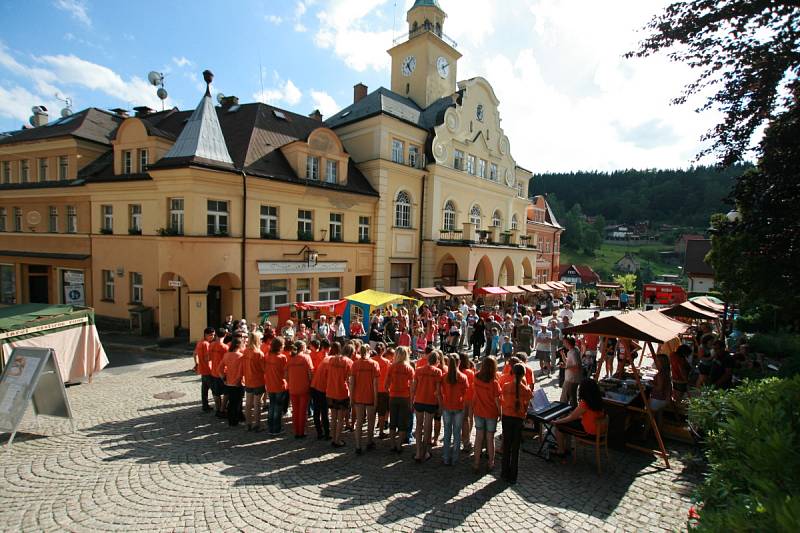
544	232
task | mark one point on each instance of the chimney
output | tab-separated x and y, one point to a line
143	111
316	115
359	92
120	112
39	117
229	101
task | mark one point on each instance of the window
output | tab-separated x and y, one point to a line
400	281
303	291
3	221
108	285
63	167
475	216
107	218
176	215
17	219
72	219
363	229
312	167
332	171
43	169
269	222
493	172
137	288
143	159
305	225
53	226
458	160
329	289
449	218
413	156
335	227
217	217
135	219
127	162
8	284
497	219
402	210
514	222
481	168
471	164
272	293
6	171
397	151
24	171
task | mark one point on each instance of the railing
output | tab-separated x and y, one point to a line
484	237
429	28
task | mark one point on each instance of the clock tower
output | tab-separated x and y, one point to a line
424	66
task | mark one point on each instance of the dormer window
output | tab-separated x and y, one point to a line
127	162
312	168
331	171
144	159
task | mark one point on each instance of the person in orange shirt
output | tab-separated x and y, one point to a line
486	407
216	351
319	402
466	366
427	399
454	388
203	366
513	360
253	381
516	396
364	376
298	373
441	364
337	389
423	360
275	381
231	370
384	359
398	383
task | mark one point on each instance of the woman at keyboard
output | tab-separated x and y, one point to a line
584	417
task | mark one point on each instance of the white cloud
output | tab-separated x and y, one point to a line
284	92
182	61
76	8
344	29
300	28
299	10
324	102
16	103
274	19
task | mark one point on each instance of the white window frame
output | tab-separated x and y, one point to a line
72	219
6	171
137	287
43	164
127	162
413	156
363	229
305	222
449	216
135	215
497	219
475	216
458	159
471	164
312	167
144	159
330	292
108	285
331	171
24	170
335	227
268	222
107	217
273	297
63	167
514	222
402	210
398	147
493	171
52	225
176	206
404	286
302	294
216	218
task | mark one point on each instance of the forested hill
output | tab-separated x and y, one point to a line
686	197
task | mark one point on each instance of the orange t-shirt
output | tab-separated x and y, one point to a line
589	418
528	373
427	377
317	356
253	368
509	399
398	380
453	393
470	394
297	371
232	366
365	372
275	372
484	405
320	379
384	365
201	351
337	387
421	363
216	351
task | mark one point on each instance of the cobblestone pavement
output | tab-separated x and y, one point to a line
143	464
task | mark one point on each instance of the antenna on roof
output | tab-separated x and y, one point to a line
156	79
67	111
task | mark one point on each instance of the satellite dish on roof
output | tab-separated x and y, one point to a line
66	112
220	98
31	121
162	93
155	78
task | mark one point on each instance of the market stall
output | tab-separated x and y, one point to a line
67	329
429	293
298	311
706	302
458	291
359	306
689	311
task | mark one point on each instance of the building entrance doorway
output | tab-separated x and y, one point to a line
214	306
38	285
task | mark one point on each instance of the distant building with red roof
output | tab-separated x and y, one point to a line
580	275
680	244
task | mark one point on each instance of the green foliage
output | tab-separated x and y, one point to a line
628	281
752	434
603	259
776	345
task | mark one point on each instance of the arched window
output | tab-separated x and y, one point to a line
475	216
514	223
402	210
414	27
449	219
497	219
438	29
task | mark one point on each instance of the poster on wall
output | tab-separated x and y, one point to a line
74	292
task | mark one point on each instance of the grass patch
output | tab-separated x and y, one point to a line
605	258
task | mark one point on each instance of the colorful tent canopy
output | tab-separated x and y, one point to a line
689	310
512	289
530	288
377	298
650	326
430	292
497	291
457	290
706	302
327	305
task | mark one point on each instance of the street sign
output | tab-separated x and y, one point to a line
175	283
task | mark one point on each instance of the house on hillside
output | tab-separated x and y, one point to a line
580	275
680	244
699	272
544	231
627	263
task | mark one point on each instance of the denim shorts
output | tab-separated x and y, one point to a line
488	425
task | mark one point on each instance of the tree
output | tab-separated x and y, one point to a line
628	281
746	51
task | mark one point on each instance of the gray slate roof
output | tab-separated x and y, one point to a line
91	124
384	101
201	137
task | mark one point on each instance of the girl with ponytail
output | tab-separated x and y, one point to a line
516	396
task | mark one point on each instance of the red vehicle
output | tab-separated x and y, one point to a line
659	294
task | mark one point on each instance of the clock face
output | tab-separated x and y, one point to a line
479	112
443	67
409	63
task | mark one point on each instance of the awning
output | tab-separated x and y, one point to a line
689	310
457	290
377	298
430	292
650	326
322	305
512	289
705	302
530	288
608	286
544	287
557	285
497	291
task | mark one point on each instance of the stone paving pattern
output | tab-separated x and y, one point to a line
141	464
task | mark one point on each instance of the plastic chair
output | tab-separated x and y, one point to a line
599	440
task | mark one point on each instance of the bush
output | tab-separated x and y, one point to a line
776	345
752	434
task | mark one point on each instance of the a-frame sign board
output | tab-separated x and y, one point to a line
31	374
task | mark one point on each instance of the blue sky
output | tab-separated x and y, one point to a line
568	99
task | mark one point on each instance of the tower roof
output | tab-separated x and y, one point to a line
424	3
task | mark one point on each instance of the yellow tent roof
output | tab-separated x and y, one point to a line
377	298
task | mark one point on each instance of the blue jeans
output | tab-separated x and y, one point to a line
452	429
277	401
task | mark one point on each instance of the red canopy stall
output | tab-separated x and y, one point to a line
298	309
